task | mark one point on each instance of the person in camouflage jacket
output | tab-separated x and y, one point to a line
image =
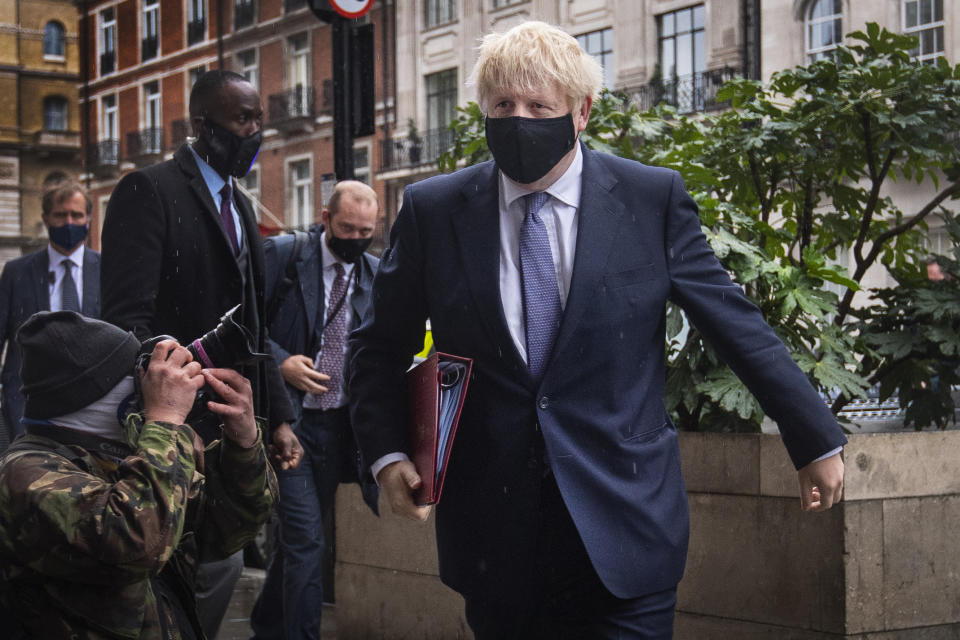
102	525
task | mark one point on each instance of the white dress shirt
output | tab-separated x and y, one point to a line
560	214
55	282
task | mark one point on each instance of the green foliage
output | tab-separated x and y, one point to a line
791	181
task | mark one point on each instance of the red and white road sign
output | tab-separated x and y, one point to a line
351	8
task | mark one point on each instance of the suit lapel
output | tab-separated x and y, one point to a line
310	279
199	187
361	294
599	220
477	231
40	277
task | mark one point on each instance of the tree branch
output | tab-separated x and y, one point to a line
878	243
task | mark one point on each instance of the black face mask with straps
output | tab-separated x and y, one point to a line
228	153
526	149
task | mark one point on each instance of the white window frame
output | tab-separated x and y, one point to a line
152	113
604	56
300	219
439	12
109	118
250	71
61	41
294	52
252	185
816	53
59	100
192	74
921	27
149	7
363	173
107	26
196	11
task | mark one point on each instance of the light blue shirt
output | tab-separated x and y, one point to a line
215	184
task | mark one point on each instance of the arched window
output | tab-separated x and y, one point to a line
53	39
824	28
55	113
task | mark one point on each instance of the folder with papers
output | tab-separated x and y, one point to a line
438	386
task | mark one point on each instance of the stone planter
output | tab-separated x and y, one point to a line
883	565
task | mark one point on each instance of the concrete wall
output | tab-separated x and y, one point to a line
883	565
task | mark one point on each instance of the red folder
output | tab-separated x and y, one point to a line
437	386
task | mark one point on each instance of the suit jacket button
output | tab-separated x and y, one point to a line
544	402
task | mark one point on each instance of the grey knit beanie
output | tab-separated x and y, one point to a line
70	361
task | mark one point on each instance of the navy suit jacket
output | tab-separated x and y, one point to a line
24	290
298	321
609	441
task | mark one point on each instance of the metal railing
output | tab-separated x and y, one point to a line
196	31
291	104
104	153
244	14
405	153
179	131
145	142
691	93
148	48
108	61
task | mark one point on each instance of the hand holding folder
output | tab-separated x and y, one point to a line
438	386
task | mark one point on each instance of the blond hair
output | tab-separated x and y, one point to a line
533	55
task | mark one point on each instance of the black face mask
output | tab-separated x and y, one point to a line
347	249
526	149
228	153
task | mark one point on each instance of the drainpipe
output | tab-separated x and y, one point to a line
220	34
85	91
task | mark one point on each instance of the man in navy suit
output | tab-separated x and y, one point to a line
63	276
564	512
315	309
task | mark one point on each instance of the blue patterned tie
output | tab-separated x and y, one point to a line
541	296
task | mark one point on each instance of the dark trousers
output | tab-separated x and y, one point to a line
289	605
568	600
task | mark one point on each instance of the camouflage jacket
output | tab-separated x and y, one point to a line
99	544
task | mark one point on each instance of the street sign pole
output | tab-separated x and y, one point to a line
337	12
342	129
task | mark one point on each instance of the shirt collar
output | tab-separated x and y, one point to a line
210	176
566	189
54	257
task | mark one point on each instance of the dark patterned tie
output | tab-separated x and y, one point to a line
334	336
69	299
541	295
226	216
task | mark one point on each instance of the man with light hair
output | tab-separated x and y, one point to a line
564	513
